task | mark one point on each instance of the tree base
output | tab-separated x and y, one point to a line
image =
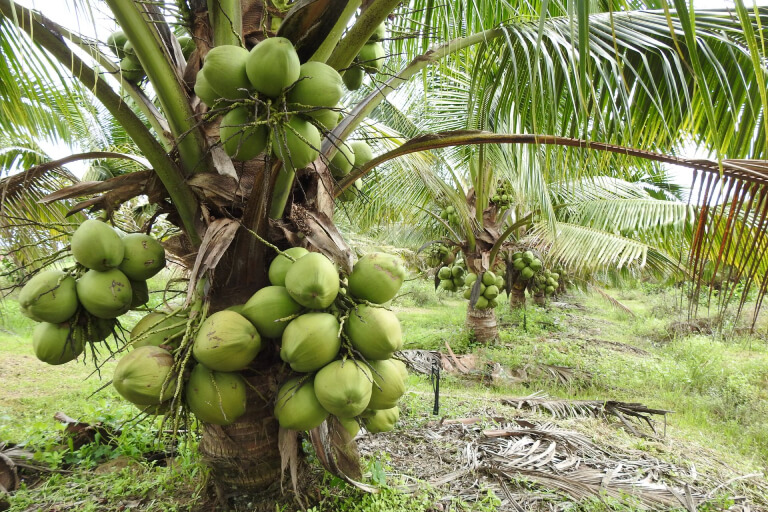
244	457
482	324
516	298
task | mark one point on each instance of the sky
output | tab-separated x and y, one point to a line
62	13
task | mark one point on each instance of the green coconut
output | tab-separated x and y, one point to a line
489	278
116	41
225	71
144	376
97	246
310	342
297	407
343	388
526	273
371	56
351	192
50	296
402	368
351	425
57	343
155	329
491	292
388	385
272	65
327	118
187	45
374	332
382	420
536	264
204	90
237	308
482	302
129	49
380	33
131	70
343	161
297	144
226	342
242	140
313	281
280	265
215	397
105	294
319	85
377	276
139	293
267	307
353	77
143	257
519	264
363	152
528	257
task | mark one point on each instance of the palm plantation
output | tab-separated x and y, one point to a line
505	69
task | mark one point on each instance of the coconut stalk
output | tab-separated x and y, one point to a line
226	18
142	31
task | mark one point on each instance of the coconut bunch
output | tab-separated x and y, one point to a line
336	337
527	264
452	277
503	195
489	288
439	254
130	67
81	305
545	282
449	214
369	60
341	346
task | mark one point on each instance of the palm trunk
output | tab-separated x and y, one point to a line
516	297
244	456
482	324
540	299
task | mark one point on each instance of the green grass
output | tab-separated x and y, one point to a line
716	386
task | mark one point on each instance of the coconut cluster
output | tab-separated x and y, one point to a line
439	254
130	66
490	286
527	264
449	214
335	336
452	277
339	341
369	60
80	306
545	282
503	195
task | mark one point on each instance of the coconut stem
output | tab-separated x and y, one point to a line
226	17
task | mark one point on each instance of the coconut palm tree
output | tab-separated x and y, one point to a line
609	73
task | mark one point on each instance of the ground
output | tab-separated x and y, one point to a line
533	422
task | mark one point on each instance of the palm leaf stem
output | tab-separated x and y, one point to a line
144	33
749	170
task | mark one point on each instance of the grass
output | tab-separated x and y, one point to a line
716	386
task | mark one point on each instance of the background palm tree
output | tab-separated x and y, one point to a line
614	74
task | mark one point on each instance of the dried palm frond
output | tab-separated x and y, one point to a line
561	408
